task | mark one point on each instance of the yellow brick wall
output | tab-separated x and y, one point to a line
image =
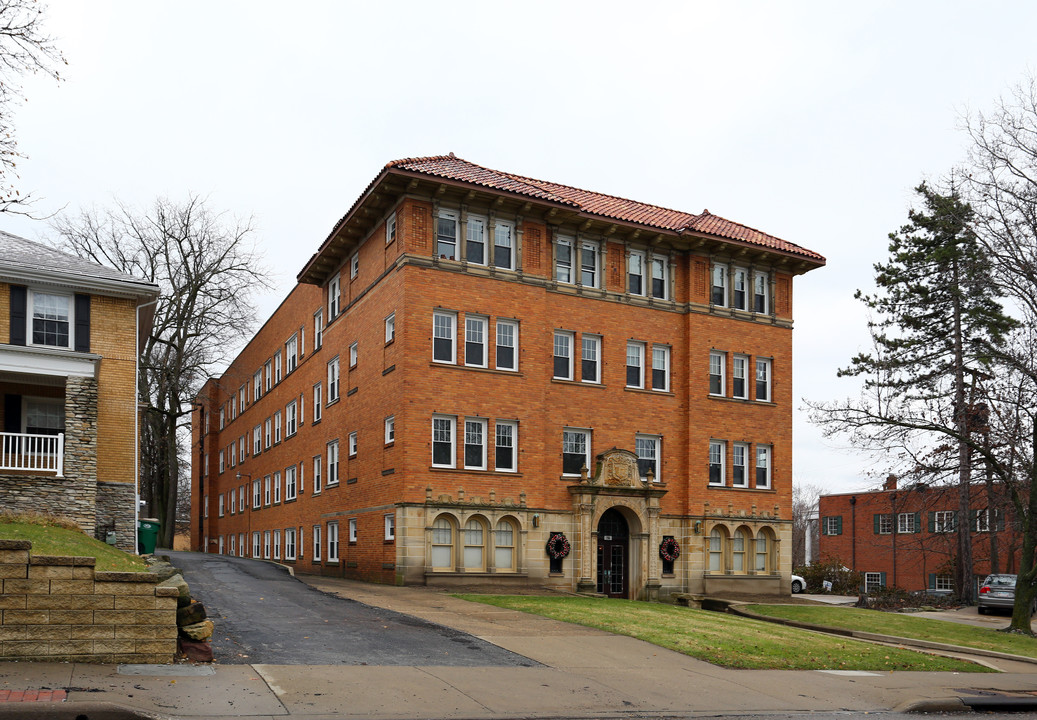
113	335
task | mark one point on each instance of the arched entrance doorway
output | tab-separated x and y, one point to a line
613	554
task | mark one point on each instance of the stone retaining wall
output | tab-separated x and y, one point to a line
58	609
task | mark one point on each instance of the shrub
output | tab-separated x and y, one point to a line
844	581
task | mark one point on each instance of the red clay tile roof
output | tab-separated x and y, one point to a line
454	168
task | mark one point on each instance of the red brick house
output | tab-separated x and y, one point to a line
907	536
483	378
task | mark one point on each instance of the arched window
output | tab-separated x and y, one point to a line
474	545
739	547
504	546
716	549
764	550
442	544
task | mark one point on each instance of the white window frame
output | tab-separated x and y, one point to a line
474	224
390	526
277	427
513	437
740	464
390	328
390	430
267	491
266	544
333	464
718	459
277	487
660	261
278	375
590	345
635	351
334	296
444	328
257	440
220	510
70	321
354	265
318	402
718	279
661	357
352	444
740	372
570	446
498	235
764	461
268	436
257	546
316	535
595	252
291	489
390	228
943	521
257	493
759	277
718	361
906	522
872	581
291	418
291	353
644	441
289	543
333	380
268	376
636	257
277	544
475	329
740	284
318	329
232	503
333	542
563	340
475	437
318	465
764	366
444	431
352	530
564	270
508	327
448	215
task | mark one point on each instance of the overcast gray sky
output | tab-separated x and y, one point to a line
811	121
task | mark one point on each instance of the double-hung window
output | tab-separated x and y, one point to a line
318	403
51	319
316	542
661	368
289	544
740	384
352	530
353	444
564	259
354	354
291	352
232	503
277	427
277	367
907	522
589	264
266	490
257	439
444	348
717	360
277	487
763	380
590	358
269	376
257	548
257	385
504	245
740	282
739	460
390	430
390	328
576	450
648	456
660	281
763	467
332	542
333	374
507	345
717	450
635	364
318	329
443	452
718	289
636	273
475	341
290	489
475	237
354	266
318	464
760	287
943	521
883	523
334	296
390	228
257	494
291	415
333	462
506	447
563	355
475	444
219	505
446	235
832	525
390	527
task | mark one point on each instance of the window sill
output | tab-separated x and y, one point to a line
390	342
578	383
743	401
391	443
470	471
739	488
650	391
475	368
332	402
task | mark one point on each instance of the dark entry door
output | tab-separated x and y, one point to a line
613	554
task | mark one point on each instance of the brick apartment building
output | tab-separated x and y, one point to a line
482	378
907	536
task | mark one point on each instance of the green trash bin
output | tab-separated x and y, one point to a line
147	535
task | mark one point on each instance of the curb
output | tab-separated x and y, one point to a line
74	710
887	639
975	703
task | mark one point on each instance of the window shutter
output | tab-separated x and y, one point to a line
882	579
19	301
973	519
954	520
918	528
999	520
82	342
839	525
875	523
932	521
13	413
932	581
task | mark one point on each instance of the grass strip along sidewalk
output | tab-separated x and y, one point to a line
905	626
725	640
51	536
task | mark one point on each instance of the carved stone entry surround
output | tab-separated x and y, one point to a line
616	483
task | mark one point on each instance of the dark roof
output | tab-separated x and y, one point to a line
28	256
454	168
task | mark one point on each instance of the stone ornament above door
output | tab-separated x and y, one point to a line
615	468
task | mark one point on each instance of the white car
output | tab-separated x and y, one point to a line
798	584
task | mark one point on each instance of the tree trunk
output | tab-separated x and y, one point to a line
963	570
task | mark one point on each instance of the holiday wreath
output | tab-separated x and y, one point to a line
669	550
558	546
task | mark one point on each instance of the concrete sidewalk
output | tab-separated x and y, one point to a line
583	673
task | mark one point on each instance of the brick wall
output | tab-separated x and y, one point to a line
58	609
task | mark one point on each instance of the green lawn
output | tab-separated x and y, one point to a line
904	625
725	640
51	540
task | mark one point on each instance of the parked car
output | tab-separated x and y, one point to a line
997	592
798	584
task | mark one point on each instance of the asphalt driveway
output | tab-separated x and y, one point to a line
264	615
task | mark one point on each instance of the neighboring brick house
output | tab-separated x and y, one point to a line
907	536
68	376
474	363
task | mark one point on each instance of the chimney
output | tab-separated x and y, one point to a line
891	483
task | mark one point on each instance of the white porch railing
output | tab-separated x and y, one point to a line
38	453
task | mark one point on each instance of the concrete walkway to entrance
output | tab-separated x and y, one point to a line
582	673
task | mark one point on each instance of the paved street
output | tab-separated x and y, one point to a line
264	615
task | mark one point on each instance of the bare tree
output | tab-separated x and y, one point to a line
804	516
25	48
207	269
